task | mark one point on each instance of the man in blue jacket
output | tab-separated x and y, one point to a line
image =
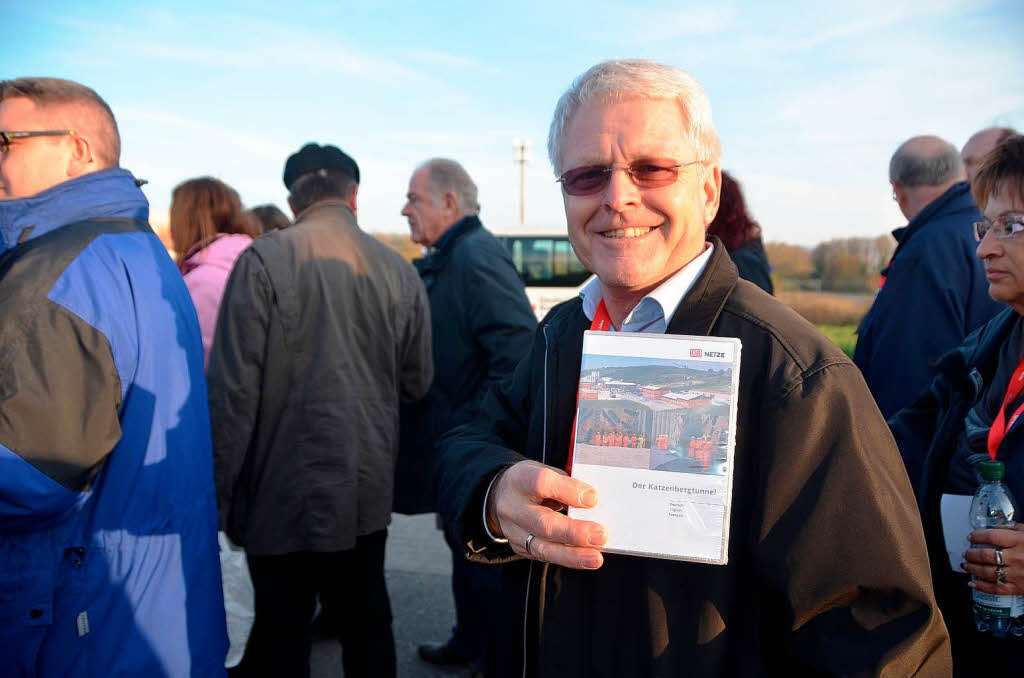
108	518
934	291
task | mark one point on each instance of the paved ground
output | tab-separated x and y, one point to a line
418	566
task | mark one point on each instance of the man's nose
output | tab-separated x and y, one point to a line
621	191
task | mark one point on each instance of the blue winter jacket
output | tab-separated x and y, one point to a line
935	294
108	519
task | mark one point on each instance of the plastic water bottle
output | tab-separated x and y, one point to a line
993	506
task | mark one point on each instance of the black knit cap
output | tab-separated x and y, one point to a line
313	157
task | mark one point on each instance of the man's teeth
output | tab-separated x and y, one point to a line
626	232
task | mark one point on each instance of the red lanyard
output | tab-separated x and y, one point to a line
999	425
602	321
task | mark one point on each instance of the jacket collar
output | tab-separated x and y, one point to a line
460	228
445	244
957	198
108	193
978	354
700	308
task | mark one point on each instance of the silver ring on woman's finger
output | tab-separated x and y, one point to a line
529	540
999	557
1000	574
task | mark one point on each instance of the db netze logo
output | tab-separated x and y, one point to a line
696	353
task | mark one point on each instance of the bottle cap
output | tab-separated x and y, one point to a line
992	470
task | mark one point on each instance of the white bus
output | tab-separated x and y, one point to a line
549	269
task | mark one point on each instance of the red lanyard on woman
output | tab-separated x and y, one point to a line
999	425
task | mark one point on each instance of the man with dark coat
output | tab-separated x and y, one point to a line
323	331
482	327
827	571
934	291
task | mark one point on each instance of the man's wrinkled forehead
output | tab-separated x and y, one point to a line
637	138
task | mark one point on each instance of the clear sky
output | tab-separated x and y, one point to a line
810	100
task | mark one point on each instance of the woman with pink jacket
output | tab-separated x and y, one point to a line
209	228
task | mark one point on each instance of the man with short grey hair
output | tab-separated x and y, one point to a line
482	326
981	144
827	570
934	292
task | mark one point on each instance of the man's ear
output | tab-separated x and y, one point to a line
352	198
81	160
450	201
899	193
291	206
711	190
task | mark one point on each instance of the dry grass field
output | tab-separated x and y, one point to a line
826	308
836	315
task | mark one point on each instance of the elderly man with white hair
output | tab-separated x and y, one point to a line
827	572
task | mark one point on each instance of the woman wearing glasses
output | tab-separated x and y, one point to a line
968	416
209	228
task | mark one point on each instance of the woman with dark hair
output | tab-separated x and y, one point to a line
741	236
271	217
967	417
209	228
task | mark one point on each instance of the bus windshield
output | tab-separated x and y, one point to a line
545	261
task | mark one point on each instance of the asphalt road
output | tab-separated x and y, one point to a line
418	566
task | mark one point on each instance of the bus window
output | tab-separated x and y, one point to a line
546	261
548	267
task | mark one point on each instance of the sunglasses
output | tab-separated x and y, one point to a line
7	137
1003	227
649	173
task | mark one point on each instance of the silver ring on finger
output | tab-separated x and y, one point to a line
529	540
999	557
1001	574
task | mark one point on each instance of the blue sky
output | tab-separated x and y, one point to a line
810	101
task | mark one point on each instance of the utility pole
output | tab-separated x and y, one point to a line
522	148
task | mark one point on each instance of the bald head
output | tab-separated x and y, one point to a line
922	169
64	104
980	145
925	161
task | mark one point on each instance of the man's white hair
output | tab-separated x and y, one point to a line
447	175
625	79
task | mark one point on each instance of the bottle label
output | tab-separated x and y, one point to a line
998	606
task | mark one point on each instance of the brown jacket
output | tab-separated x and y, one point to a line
322	332
827	572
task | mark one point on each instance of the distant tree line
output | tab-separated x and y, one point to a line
851	265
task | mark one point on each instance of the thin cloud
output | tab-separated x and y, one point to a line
430	56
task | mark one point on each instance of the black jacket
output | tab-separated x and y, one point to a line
482	326
827	569
935	294
323	330
927	434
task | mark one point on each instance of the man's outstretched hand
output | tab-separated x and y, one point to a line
526	499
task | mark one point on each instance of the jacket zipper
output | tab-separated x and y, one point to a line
543	460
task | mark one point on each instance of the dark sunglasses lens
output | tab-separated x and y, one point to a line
650	176
585	180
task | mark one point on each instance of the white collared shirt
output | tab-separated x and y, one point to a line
654	312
